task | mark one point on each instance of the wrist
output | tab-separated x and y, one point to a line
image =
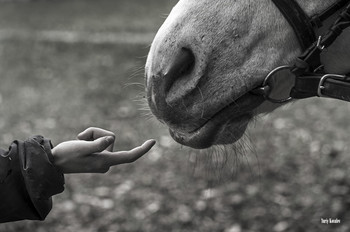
56	161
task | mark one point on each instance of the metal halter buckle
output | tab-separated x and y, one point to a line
319	45
324	78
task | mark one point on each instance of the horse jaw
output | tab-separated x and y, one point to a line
234	45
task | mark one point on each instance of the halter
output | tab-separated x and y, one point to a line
310	78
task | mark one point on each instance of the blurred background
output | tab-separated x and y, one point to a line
70	64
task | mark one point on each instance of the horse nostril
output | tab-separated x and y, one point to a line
181	66
167	87
186	59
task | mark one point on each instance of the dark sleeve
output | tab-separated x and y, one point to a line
28	179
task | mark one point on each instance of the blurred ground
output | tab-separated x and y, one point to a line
294	172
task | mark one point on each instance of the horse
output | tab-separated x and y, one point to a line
209	55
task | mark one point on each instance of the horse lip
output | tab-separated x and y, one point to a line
206	135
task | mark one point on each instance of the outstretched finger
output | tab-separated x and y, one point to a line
93	133
123	157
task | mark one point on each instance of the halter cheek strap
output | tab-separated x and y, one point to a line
299	21
310	78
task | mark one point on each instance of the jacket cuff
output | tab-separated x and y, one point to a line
5	166
41	177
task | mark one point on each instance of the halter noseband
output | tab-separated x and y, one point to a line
310	78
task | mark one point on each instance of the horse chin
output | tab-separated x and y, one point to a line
225	127
211	134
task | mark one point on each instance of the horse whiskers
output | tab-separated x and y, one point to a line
140	97
247	143
147	114
195	117
137	72
143	57
222	162
142	103
140	100
202	97
234	101
144	109
126	85
164	16
149	118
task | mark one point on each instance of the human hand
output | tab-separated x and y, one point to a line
93	152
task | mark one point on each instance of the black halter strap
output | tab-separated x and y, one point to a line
310	78
319	18
300	22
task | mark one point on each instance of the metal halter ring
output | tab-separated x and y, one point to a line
265	84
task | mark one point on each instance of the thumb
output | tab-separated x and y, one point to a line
97	145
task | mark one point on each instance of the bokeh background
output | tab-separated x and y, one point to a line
70	64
